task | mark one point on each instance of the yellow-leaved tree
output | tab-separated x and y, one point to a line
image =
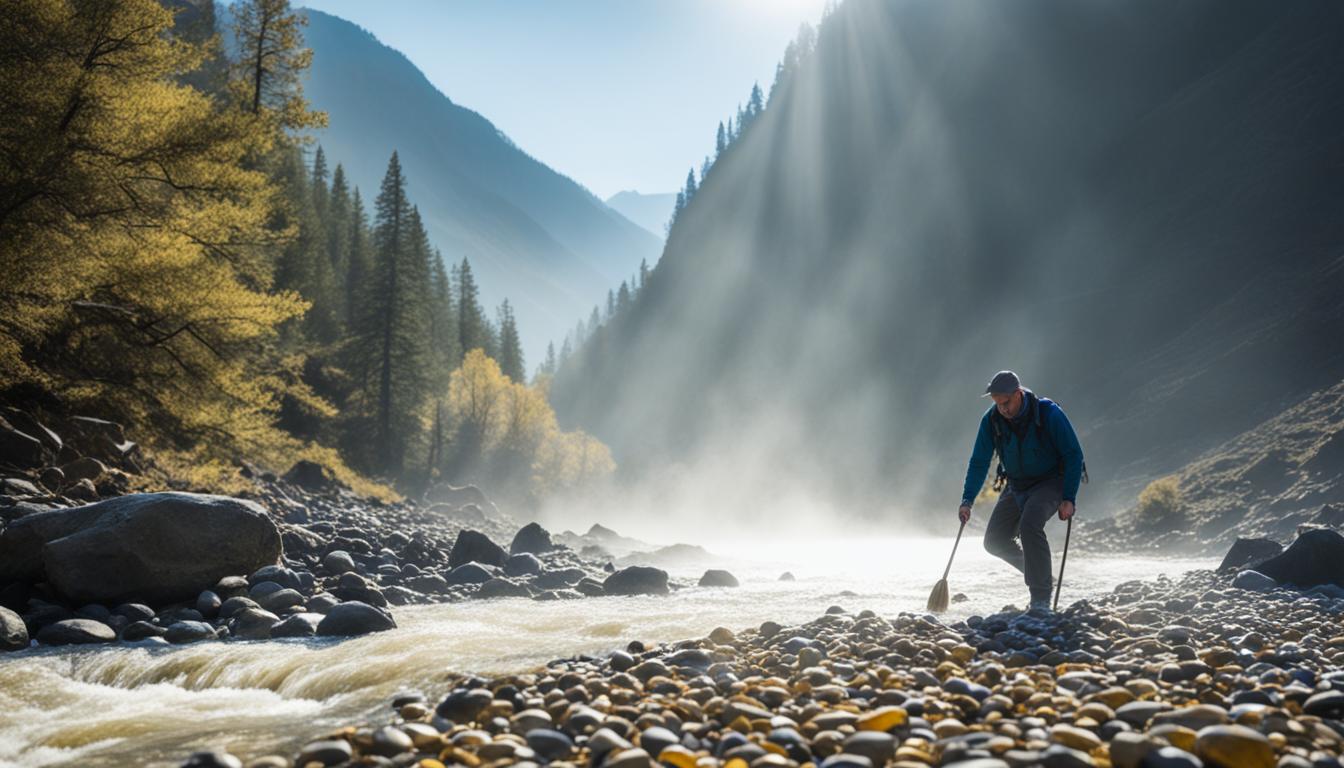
135	256
504	434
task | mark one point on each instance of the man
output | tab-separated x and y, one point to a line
1042	463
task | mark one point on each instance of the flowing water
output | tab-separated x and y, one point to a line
126	705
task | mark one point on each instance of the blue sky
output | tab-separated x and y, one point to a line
616	94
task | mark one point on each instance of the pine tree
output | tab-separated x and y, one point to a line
444	337
643	276
510	347
611	303
472	329
677	208
320	191
549	365
392	341
303	265
337	222
566	351
360	261
704	168
691	187
720	140
270	63
623	298
756	102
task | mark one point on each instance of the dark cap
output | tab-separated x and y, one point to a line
1003	383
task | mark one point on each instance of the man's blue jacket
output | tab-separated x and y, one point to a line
1031	456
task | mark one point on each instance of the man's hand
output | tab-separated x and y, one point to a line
964	513
1065	510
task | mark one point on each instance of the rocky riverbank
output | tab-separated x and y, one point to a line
1185	672
83	561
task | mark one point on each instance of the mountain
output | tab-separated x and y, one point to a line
1137	208
1264	483
651	212
534	236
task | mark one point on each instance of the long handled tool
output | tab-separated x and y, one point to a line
938	597
1060	581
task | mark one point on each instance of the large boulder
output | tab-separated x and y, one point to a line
1315	557
637	580
475	547
1246	552
531	538
22	540
150	547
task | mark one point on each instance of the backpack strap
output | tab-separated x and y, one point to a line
1044	404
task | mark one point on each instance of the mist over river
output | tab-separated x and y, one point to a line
126	705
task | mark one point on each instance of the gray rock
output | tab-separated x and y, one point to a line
463	705
501	588
390	742
13	632
281	599
637	580
20	449
281	575
1315	557
1326	704
253	624
338	562
231	586
140	630
1254	581
429	583
550	744
83	468
208	604
76	632
471	573
235	605
189	632
156	547
354	618
1248	552
17	486
331	752
212	760
134	611
322	602
718	578
298	625
531	538
524	564
475	547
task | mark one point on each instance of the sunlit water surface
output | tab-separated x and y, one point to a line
123	705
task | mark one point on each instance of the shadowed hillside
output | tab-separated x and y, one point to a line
1138	212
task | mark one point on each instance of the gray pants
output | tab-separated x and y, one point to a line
1023	515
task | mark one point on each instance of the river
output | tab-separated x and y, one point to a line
125	705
